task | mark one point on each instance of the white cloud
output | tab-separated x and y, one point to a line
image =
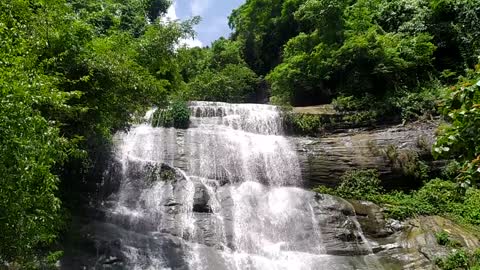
171	13
198	7
190	42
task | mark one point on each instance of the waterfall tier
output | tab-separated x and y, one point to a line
224	194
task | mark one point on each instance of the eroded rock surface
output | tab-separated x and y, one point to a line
323	160
412	243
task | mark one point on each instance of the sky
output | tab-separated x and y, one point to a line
214	14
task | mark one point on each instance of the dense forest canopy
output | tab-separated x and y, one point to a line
313	51
73	72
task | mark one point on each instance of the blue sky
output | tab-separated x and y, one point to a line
214	15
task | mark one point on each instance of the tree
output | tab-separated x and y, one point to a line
71	74
459	140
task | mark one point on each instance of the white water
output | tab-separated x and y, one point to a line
259	218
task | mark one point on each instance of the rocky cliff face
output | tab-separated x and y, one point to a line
325	159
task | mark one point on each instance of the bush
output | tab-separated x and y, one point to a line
234	83
460	259
442	195
359	184
459	140
408	162
180	114
399	205
177	115
443	239
416	105
304	124
369	109
471	206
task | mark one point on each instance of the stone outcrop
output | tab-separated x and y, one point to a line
412	243
323	160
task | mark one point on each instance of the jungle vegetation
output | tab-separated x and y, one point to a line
74	72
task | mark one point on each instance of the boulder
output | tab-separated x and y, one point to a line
411	243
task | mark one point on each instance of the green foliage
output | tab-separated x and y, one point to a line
391	50
356	184
414	105
410	105
30	209
459	139
234	83
460	259
350	55
436	197
176	115
359	184
218	73
441	194
399	205
363	110
304	124
71	73
408	162
443	239
263	27
470	209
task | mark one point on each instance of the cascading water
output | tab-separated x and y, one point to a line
223	194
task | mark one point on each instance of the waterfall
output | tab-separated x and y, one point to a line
224	194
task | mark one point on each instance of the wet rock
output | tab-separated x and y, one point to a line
338	226
371	218
323	160
413	243
201	199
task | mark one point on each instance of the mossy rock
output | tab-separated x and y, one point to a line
161	172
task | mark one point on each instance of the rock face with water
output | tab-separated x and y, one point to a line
227	193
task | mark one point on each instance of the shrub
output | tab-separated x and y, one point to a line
366	109
436	197
399	205
416	105
359	184
443	239
234	83
442	195
176	115
459	140
407	161
304	124
460	259
180	114
471	206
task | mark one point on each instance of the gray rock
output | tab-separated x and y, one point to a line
323	160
